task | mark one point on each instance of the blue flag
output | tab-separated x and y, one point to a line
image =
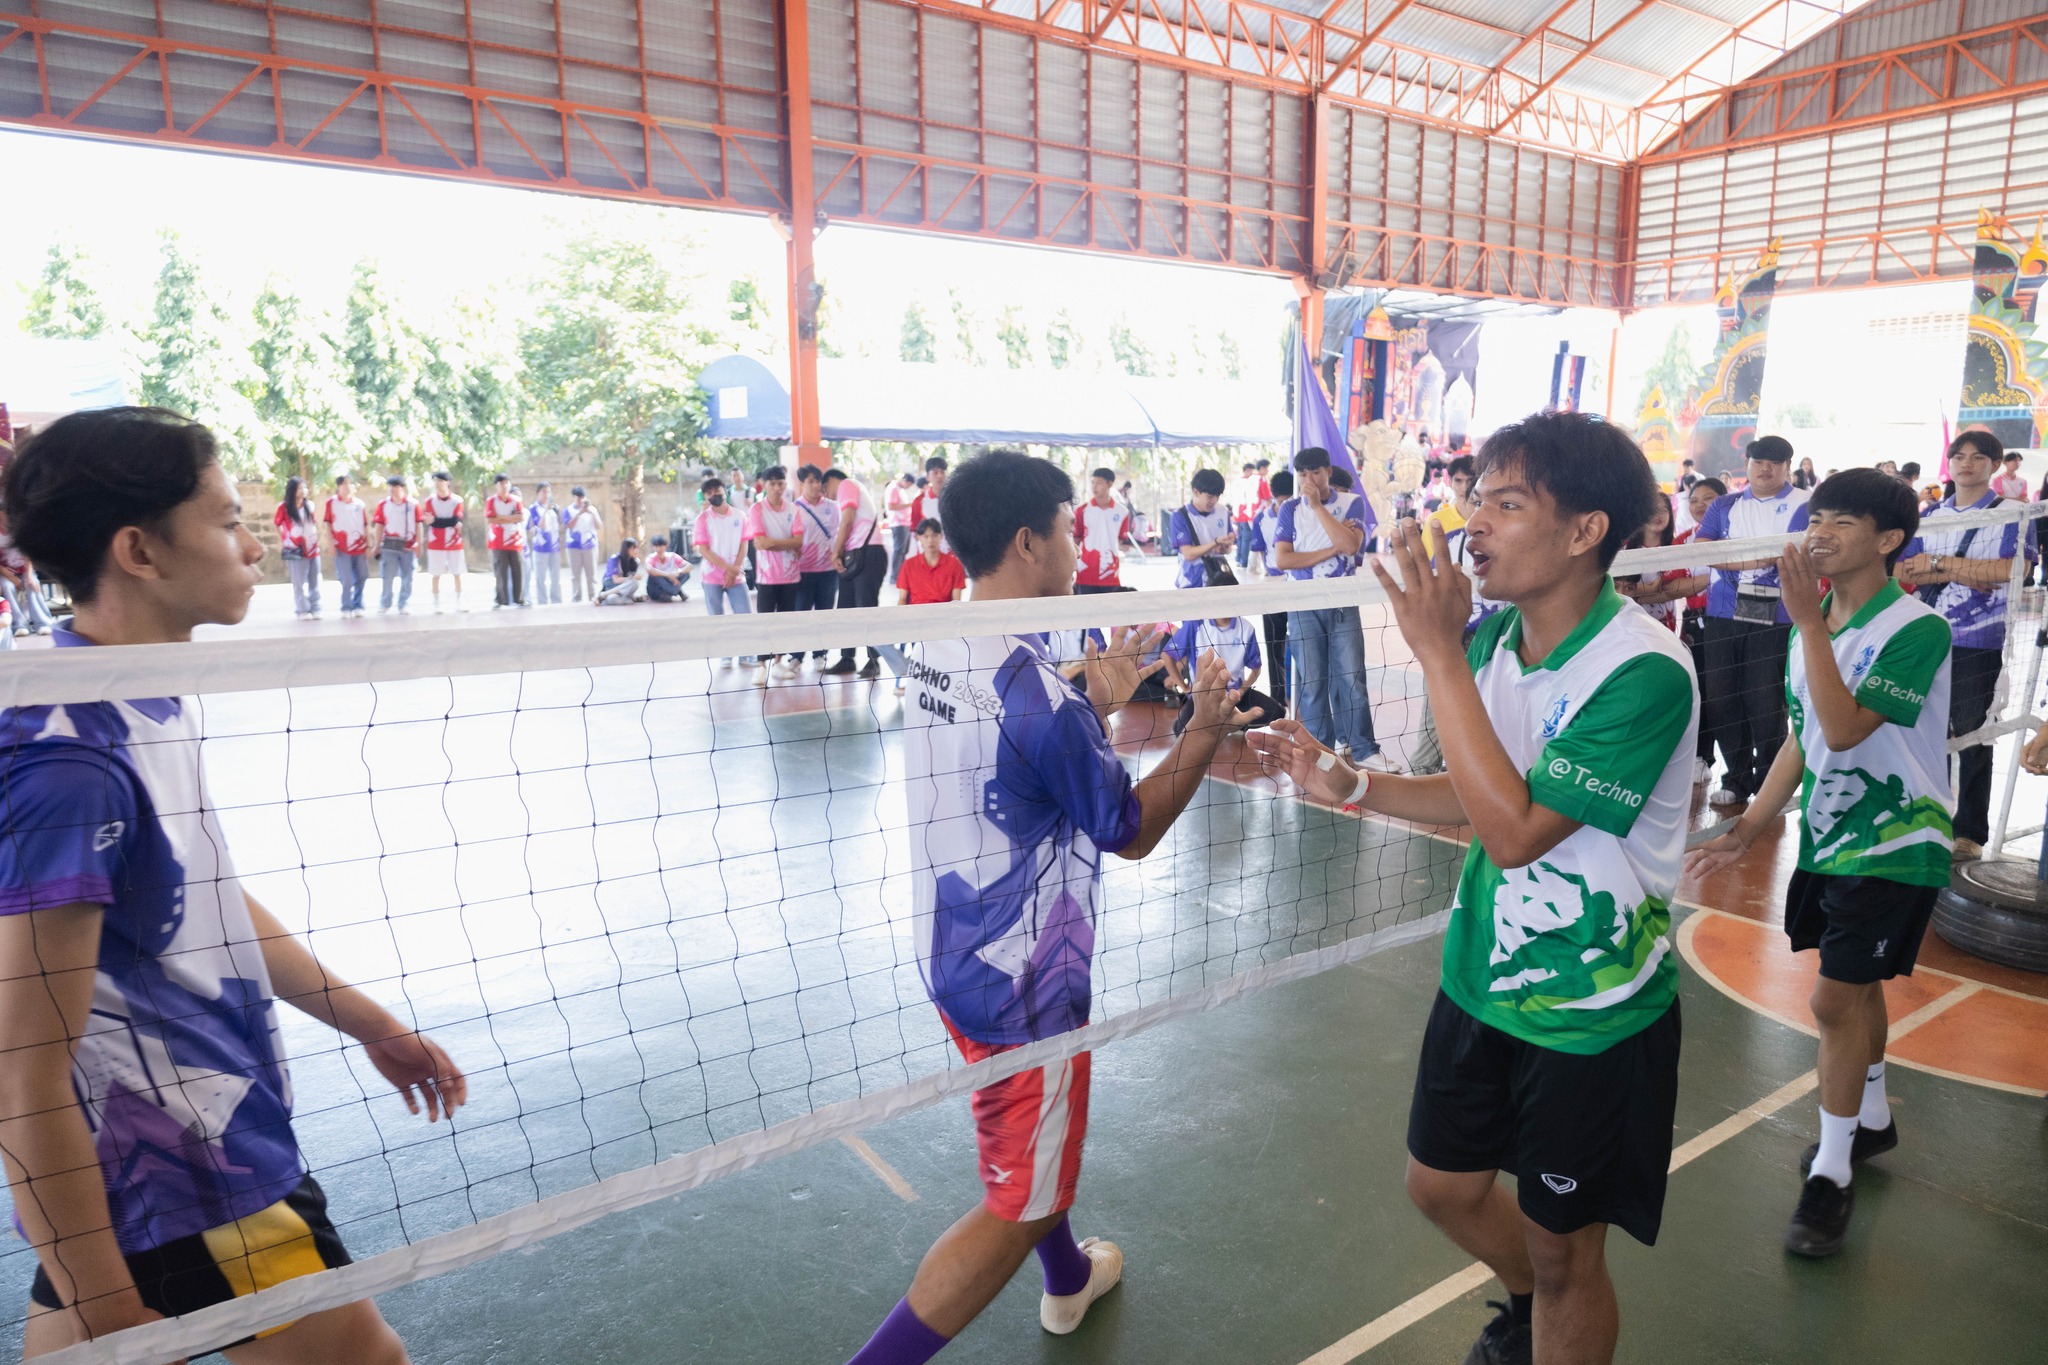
1316	425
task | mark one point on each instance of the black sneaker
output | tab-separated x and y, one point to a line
872	669
1869	1142
1504	1342
840	669
1821	1222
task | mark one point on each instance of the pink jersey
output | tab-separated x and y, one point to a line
448	510
821	524
349	522
506	537
775	566
723	532
856	505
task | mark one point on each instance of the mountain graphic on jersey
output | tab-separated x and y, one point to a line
1862	824
1557	940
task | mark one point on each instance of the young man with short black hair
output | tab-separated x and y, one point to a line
862	558
1265	529
397	519
666	573
721	540
442	514
507	518
1005	943
1321	534
1201	529
145	1105
544	545
348	523
1868	761
776	531
1552	1048
1102	527
817	570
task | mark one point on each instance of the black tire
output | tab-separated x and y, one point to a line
1996	911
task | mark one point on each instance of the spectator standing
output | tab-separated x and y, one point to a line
397	519
1688	477
2009	484
348	523
902	494
667	571
1320	535
1200	530
1966	575
720	538
1804	479
925	507
28	611
506	516
776	531
544	543
862	558
1246	500
582	533
623	575
1747	630
818	581
298	536
1265	533
442	513
1102	527
1692	621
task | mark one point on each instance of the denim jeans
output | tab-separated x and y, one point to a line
395	562
1329	661
305	585
545	582
349	572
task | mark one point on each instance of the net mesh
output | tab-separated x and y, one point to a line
663	918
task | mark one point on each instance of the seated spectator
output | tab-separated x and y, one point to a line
666	573
1235	639
1067	650
932	574
622	576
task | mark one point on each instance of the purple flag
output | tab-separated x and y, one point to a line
1316	425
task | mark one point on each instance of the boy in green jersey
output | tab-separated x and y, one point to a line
1568	730
1868	681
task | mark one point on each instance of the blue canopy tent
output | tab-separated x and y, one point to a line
870	400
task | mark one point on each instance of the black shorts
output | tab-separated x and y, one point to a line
1587	1138
1867	928
292	1237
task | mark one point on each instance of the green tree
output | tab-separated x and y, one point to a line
916	342
964	326
307	405
199	364
827	317
1229	358
385	362
1062	341
748	306
1675	371
470	394
612	356
1131	355
63	305
1015	338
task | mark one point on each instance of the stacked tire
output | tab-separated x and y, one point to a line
1997	911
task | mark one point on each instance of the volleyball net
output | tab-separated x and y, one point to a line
663	918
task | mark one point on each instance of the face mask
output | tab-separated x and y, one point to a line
718	499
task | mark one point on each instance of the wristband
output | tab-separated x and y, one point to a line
1328	762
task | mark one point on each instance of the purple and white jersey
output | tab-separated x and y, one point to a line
1187	527
1303	529
1976	617
1014	797
1236	642
181	1071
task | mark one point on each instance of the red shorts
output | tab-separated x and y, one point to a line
1028	1130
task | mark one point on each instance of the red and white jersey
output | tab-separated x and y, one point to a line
506	537
447	510
400	520
1100	533
303	537
349	521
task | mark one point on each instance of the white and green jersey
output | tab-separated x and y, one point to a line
1573	951
1883	808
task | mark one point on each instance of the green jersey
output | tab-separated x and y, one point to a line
1883	808
1573	951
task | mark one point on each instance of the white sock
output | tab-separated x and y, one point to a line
1876	1113
1837	1134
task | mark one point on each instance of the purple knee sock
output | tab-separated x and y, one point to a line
902	1339
1067	1267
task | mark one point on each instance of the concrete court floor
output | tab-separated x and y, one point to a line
1249	1162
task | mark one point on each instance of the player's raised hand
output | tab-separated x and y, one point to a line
1112	674
1799	589
1215	700
1714	855
1287	747
422	1073
1431	602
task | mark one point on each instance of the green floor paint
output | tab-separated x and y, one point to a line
1249	1161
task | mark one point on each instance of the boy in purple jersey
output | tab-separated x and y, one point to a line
152	1162
1014	795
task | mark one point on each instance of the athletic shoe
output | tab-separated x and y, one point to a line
1869	1142
1702	771
1062	1313
1821	1222
1504	1342
1725	796
871	670
1378	762
760	675
788	671
1966	851
725	663
841	668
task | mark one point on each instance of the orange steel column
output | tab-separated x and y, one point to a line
807	444
1309	287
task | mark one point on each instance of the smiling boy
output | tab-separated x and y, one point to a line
1868	683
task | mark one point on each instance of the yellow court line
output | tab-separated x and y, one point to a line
888	1174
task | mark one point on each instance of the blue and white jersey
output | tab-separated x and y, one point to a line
1737	516
544	528
1071	646
1303	529
1235	640
1975	618
1265	534
181	1072
1185	526
1014	797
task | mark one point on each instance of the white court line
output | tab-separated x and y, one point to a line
1449	1290
890	1176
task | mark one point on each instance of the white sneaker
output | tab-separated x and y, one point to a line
725	663
1701	771
1062	1313
760	675
787	670
1380	763
1721	796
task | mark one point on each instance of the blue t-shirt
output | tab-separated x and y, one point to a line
1014	795
1976	618
1738	516
1303	530
1236	641
181	1074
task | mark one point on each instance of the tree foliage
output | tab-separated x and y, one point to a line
1675	371
1015	338
386	362
1062	341
916	343
199	364
1129	351
63	306
305	401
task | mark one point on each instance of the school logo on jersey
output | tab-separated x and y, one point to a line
1555	720
1862	665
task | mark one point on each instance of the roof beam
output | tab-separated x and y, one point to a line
1692	83
1591	44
